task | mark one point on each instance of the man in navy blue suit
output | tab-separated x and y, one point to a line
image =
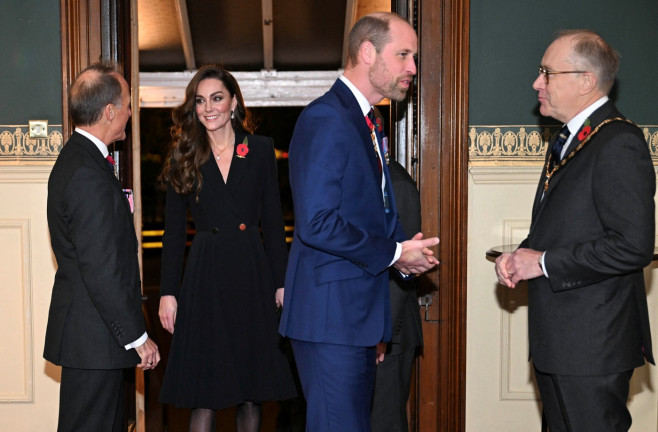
337	307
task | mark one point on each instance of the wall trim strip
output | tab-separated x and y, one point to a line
525	144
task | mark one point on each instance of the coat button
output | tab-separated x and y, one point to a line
214	230
242	227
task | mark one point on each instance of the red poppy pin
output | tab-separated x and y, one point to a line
378	124
586	130
243	148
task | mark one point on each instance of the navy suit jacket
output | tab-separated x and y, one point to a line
596	224
337	279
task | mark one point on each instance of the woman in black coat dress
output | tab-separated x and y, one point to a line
222	312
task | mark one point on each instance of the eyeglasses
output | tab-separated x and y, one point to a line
546	73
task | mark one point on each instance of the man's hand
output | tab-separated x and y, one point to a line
521	265
416	257
148	352
381	352
167	312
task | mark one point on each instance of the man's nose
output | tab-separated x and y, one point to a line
411	66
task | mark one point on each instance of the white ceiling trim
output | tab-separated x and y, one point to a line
259	89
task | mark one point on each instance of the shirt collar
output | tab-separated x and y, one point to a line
360	98
575	123
100	144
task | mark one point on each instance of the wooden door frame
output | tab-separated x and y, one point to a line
436	153
95	30
443	29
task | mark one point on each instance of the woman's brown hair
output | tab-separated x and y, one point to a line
191	148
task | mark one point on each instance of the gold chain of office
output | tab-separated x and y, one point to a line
549	172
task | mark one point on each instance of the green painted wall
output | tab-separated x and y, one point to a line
508	39
30	62
30	79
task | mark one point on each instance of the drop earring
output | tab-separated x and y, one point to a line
232	115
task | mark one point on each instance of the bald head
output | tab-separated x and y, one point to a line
94	88
590	52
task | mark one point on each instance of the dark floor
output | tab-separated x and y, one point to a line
277	417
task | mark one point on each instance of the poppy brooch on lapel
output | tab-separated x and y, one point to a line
585	131
243	148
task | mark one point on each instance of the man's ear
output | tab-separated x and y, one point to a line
367	52
588	83
109	112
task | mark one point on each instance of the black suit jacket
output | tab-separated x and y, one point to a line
95	308
596	224
405	315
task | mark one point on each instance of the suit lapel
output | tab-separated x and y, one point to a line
606	111
214	181
349	102
238	164
97	157
355	115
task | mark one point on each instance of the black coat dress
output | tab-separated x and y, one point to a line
225	348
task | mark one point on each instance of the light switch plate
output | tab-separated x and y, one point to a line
38	128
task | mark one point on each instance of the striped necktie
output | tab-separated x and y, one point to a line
558	145
371	120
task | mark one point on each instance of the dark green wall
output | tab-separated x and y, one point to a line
30	62
508	40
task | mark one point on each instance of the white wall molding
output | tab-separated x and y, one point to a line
16	312
515	370
505	174
25	174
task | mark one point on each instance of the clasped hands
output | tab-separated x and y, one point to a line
522	264
416	257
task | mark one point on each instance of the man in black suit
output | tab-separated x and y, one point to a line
95	325
393	375
592	233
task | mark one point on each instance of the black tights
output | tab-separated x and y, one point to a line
247	418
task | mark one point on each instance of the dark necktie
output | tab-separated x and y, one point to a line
371	120
558	145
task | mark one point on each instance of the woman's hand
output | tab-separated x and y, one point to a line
167	312
278	297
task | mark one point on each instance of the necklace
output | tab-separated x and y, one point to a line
218	156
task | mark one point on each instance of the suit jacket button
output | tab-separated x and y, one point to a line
242	227
214	230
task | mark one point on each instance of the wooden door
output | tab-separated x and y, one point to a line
433	146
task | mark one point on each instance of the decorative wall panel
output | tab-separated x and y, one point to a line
16	312
524	145
515	371
17	146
